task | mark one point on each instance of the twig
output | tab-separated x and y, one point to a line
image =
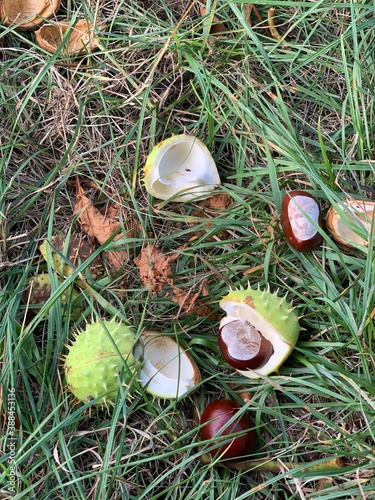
271	24
270	465
251	7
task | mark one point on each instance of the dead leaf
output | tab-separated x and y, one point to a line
217	27
188	301
211	208
219	202
155	268
324	483
99	226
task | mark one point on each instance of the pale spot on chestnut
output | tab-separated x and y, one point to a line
301	226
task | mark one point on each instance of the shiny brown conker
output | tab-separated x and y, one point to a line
214	422
244	347
301	234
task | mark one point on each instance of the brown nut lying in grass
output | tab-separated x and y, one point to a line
27	15
302	234
78	39
219	419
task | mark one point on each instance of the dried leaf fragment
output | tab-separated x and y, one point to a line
188	301
217	27
27	15
155	268
211	208
98	226
81	38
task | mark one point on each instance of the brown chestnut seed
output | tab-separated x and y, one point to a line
214	421
244	347
300	232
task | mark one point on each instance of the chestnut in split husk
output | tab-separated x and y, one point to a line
243	346
258	332
301	233
215	423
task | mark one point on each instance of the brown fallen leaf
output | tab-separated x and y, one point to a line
217	27
324	483
211	208
219	202
99	226
155	268
188	300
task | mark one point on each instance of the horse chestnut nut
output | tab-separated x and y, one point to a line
214	421
243	346
301	233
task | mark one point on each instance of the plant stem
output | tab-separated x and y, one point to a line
270	465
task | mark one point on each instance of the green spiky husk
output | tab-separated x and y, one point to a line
271	315
99	360
277	311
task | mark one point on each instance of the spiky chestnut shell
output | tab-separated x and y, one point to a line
76	251
99	360
270	316
39	290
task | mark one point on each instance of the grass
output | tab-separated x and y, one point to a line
296	113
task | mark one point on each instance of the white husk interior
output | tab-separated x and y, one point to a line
184	164
281	348
363	215
167	371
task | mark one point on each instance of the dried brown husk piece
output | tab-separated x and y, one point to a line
81	39
359	213
27	15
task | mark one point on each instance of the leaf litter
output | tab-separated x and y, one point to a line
155	270
100	226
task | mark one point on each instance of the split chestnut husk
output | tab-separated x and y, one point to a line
27	15
78	39
351	224
259	331
181	168
168	371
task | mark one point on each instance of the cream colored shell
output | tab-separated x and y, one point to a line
79	39
181	169
357	214
168	370
27	14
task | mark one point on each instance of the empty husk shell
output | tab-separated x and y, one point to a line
168	370
353	225
27	14
181	168
78	39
